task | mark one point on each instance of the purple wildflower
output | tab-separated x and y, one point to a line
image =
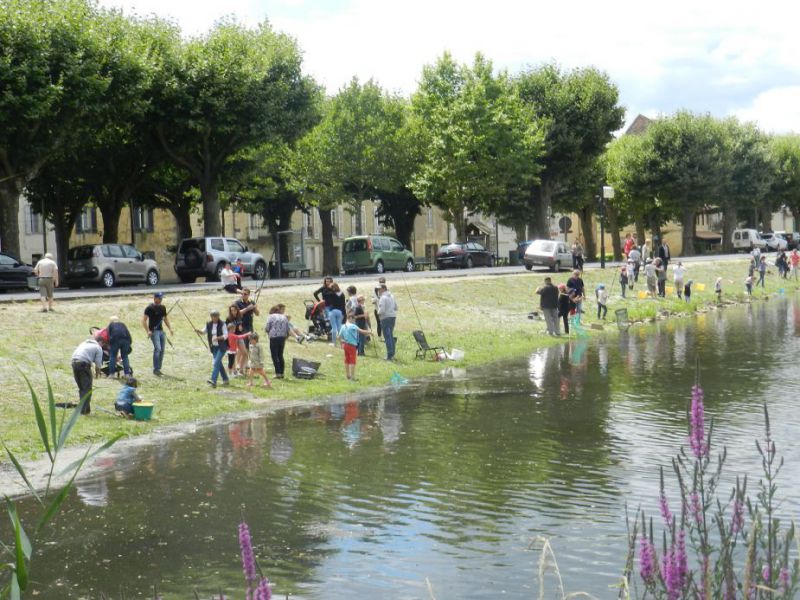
765	573
647	560
248	558
783	579
737	520
697	434
681	560
263	591
695	509
664	506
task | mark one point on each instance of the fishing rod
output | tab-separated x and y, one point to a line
411	298
161	322
260	287
194	328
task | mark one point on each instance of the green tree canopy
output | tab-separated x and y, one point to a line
580	111
226	91
785	188
478	140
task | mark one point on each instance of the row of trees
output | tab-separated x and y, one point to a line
686	163
101	108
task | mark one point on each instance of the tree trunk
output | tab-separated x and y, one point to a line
209	195
329	266
655	231
729	221
62	226
183	221
459	223
640	234
10	192
613	230
765	217
587	227
111	210
540	213
688	226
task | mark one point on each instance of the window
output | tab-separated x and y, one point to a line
376	221
143	220
308	225
256	221
114	251
397	246
130	252
87	221
340	222
235	246
217	244
430	217
7	260
33	222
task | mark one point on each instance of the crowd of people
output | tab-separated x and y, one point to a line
348	327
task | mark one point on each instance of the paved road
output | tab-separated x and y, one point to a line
140	290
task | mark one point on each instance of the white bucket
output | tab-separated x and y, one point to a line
456	354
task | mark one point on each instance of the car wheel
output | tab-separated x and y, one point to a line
379	267
187	278
490	262
152	277
529	267
410	265
260	271
558	267
108	280
468	264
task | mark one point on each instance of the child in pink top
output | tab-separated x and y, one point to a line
236	344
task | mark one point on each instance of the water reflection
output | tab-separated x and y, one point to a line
448	479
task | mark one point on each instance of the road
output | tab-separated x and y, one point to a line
140	290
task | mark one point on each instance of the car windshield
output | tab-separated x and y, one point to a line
80	253
454	246
187	245
543	246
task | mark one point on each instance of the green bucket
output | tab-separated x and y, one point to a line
142	411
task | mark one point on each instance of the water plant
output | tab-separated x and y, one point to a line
713	545
53	434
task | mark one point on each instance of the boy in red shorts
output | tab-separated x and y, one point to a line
348	335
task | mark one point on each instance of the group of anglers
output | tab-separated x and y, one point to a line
234	336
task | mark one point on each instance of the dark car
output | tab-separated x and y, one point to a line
14	274
465	255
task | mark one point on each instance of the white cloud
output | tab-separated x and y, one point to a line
702	55
776	110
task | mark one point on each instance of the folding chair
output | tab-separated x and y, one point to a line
423	347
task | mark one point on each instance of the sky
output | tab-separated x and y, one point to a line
725	58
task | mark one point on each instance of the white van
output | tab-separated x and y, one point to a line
747	239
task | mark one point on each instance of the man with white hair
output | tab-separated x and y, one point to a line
47	272
87	355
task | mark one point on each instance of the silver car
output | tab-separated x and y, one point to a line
109	264
548	253
204	257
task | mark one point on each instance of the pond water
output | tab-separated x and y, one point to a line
448	480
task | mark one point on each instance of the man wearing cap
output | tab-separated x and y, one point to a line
247	309
47	272
376	296
153	321
87	353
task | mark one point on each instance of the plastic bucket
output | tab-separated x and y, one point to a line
457	354
142	411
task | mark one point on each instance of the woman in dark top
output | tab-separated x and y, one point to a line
565	305
334	310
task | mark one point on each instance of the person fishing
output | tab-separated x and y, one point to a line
154	318
217	334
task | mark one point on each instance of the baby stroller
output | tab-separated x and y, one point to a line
319	326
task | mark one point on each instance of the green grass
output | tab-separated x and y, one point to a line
484	316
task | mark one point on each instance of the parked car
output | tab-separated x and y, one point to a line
792	238
552	254
747	239
521	247
204	257
774	242
109	264
14	274
377	253
465	255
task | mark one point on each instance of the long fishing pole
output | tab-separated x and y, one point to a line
161	322
194	328
410	297
260	287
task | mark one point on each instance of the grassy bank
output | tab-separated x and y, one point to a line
484	316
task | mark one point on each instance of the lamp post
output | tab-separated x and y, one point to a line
606	193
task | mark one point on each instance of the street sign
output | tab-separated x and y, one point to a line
564	224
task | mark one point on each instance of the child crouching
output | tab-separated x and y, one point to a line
126	397
257	361
348	334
